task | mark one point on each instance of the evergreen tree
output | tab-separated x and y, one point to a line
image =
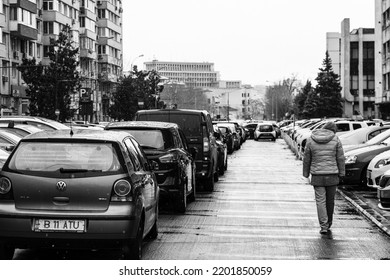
328	90
312	105
300	99
50	86
137	91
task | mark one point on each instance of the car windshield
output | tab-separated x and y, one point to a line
153	138
266	128
379	138
64	157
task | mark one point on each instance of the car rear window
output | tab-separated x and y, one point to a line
153	138
63	157
189	123
266	128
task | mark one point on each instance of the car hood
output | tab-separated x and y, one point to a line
366	149
383	155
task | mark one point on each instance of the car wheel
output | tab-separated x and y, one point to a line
274	139
216	175
181	203
226	164
363	178
209	184
6	252
221	170
132	250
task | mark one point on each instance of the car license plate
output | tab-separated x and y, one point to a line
57	225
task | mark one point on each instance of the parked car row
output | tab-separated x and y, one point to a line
367	154
88	188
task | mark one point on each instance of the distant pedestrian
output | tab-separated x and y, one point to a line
324	160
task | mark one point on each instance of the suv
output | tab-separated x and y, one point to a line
198	129
42	123
166	144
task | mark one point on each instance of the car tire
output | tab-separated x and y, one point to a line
274	139
226	164
221	170
6	252
181	203
216	175
132	250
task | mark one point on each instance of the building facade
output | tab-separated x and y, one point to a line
28	26
382	29
353	59
193	74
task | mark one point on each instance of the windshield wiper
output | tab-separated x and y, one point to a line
383	143
78	170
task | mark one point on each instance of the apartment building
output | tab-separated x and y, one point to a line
353	58
28	26
194	74
382	56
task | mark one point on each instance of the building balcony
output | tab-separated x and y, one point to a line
107	77
23	31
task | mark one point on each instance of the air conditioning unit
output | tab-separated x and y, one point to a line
120	10
82	10
5	79
100	56
40	12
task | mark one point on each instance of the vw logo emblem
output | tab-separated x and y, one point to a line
61	185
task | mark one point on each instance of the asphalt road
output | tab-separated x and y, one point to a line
261	208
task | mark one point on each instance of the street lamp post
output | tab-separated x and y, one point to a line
132	63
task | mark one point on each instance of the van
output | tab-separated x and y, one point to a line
198	129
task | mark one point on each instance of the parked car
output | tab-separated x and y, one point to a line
42	123
357	161
265	131
198	129
251	127
20	130
376	168
383	191
77	189
373	141
362	135
8	140
236	127
235	134
166	144
222	150
228	137
3	157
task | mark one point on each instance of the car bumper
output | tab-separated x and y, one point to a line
101	229
203	169
384	198
374	175
352	175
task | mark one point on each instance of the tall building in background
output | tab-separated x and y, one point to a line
382	56
27	26
353	59
194	74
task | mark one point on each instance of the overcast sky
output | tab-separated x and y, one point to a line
249	40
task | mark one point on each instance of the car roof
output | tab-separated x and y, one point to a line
85	134
48	122
145	124
173	111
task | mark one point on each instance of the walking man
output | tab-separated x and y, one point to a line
324	160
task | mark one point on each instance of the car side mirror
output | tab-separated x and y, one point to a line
10	148
217	135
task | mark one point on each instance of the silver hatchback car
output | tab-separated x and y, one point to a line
83	189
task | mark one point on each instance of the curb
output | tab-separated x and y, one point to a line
362	207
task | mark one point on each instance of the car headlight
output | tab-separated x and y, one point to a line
382	163
350	159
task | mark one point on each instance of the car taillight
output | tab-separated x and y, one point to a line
122	190
169	158
206	145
